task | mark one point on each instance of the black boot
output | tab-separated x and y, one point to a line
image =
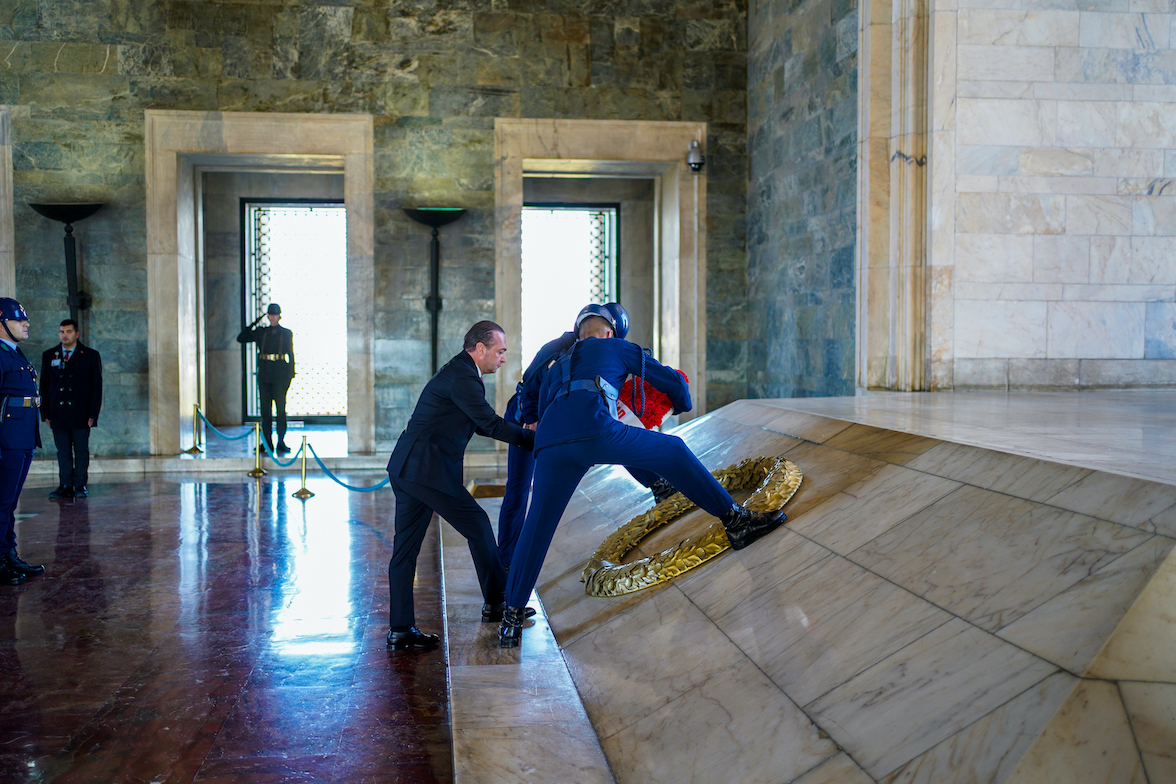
745	526
8	576
14	564
661	490
510	633
492	613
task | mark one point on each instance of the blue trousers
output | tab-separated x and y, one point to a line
14	469
520	469
559	469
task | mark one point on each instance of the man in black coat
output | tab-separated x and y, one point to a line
426	475
71	397
275	370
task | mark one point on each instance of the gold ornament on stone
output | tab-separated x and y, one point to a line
774	480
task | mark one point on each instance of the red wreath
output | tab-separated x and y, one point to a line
657	405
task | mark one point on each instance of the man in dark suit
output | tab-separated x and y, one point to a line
19	434
426	475
71	397
275	370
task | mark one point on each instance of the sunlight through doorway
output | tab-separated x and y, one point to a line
569	258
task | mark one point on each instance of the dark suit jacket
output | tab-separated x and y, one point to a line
452	407
271	340
71	394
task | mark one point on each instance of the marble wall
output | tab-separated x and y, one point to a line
1055	125
78	77
801	225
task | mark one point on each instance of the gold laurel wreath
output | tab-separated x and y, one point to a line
774	479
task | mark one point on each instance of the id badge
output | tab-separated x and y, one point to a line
55	363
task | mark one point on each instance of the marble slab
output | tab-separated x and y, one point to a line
1070	628
989	749
887	445
991	558
870	507
829	623
751	731
1088	741
1151	708
1023	477
1143	646
620	681
938	685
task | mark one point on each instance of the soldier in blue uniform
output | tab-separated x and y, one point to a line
523	409
19	434
578	429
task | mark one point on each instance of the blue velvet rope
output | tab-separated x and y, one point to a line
336	479
211	427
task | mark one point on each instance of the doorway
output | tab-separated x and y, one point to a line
294	254
571	257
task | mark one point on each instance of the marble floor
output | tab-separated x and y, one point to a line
971	587
189	630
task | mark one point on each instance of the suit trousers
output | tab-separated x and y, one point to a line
559	469
415	504
14	469
73	455
273	393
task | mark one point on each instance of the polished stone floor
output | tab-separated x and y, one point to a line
216	631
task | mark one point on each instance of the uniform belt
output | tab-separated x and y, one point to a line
273	357
27	402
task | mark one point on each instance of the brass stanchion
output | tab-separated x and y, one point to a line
195	450
257	469
303	493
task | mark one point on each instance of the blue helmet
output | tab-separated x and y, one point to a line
620	319
603	312
11	310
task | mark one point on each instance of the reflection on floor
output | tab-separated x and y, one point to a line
216	632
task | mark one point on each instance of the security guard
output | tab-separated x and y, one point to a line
19	434
578	429
275	370
523	409
71	383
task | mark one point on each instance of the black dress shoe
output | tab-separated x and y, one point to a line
413	638
510	631
745	526
62	492
492	613
282	448
81	492
9	577
13	563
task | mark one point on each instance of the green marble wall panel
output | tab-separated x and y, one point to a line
79	75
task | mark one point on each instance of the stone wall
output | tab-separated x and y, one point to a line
802	135
1060	176
79	76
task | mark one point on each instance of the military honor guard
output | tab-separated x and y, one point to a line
275	370
71	398
579	428
523	409
20	434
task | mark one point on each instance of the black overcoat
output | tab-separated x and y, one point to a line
272	341
71	392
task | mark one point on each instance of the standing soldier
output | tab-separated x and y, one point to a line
275	370
71	383
19	434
